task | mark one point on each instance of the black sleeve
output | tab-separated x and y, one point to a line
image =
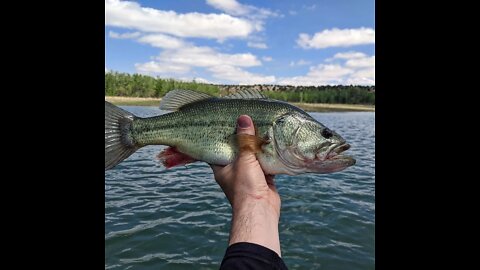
249	256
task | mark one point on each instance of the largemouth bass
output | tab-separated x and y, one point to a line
202	128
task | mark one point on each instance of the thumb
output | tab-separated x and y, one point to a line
245	125
246	138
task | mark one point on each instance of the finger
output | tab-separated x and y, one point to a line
222	174
216	168
270	179
271	182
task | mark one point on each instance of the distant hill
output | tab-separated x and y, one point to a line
136	85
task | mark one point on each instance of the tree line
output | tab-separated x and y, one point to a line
327	94
137	85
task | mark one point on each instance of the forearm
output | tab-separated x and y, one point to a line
256	221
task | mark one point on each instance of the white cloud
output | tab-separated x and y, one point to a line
362	77
153	67
207	57
256	16
267	58
329	72
337	38
155	40
240	76
319	75
257	45
229	6
162	41
361	62
300	62
350	68
292	12
200	80
180	58
222	66
235	8
349	55
131	15
128	35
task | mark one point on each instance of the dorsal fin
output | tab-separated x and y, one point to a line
175	99
247	94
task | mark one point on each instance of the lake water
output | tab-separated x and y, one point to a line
180	219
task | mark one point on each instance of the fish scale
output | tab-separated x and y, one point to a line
203	129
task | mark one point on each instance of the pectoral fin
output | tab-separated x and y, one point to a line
171	157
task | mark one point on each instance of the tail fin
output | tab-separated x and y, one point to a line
118	141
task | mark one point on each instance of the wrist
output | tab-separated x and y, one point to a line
262	207
268	203
255	221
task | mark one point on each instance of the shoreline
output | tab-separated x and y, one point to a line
309	107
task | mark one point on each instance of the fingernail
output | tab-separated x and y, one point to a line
244	122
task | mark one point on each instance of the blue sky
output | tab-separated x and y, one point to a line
303	42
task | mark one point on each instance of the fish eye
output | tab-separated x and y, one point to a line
327	133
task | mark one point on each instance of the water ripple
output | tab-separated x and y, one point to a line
180	219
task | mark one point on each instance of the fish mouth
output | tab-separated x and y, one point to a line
334	152
332	160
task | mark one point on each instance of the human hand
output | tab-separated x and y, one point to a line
252	194
244	180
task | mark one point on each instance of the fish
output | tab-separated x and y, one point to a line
201	127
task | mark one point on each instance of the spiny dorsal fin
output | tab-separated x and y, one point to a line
247	94
175	99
